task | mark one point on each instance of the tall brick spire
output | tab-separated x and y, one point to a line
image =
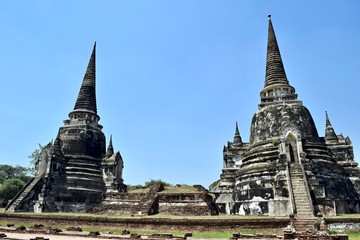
110	149
275	72
86	100
330	135
276	87
237	137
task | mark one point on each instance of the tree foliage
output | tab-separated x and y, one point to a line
9	189
9	172
12	179
147	184
152	182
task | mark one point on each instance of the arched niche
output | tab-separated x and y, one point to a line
291	148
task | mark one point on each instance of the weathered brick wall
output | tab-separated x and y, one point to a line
163	224
186	204
155	201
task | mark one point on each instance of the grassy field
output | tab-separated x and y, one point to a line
353	235
180	189
345	216
225	234
160	215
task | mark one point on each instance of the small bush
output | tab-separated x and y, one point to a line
9	189
152	182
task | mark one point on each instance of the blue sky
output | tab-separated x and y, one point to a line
173	77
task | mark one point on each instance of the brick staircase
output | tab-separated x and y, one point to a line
146	204
10	208
310	228
304	224
302	198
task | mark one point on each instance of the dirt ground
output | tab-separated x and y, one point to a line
27	236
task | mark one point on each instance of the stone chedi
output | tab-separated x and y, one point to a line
74	173
286	168
77	173
112	167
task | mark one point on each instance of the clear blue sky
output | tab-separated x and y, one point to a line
173	76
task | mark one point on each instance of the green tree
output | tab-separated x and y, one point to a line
10	172
152	182
9	189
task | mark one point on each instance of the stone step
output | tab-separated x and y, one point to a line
300	193
302	203
303	209
23	194
304	213
303	206
83	174
85	189
89	170
304	225
84	162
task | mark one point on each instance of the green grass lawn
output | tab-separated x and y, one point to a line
160	215
224	234
180	189
353	215
353	235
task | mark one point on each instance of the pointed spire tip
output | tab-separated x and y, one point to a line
237	137
110	149
87	95
269	16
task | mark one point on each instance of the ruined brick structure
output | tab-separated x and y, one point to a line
158	199
74	173
112	168
286	167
